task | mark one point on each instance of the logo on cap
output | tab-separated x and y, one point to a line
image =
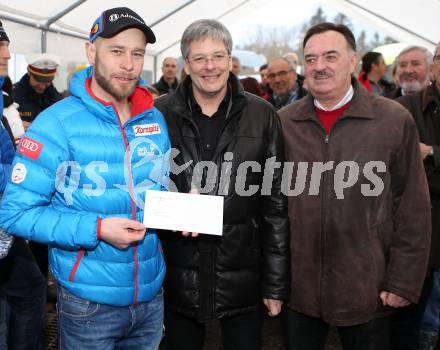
95	28
113	17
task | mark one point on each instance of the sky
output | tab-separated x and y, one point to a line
284	13
272	14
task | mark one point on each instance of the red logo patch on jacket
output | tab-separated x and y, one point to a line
146	129
30	148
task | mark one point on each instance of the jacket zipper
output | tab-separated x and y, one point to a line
323	212
199	153
198	145
323	238
133	206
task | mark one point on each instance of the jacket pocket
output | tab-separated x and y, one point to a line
75	266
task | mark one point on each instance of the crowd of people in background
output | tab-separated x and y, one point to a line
367	264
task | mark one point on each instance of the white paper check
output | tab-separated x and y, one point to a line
184	212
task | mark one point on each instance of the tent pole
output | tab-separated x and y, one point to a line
64	12
390	22
43	40
154	70
169	14
53	19
35	24
218	18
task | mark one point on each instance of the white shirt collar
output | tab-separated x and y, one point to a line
347	98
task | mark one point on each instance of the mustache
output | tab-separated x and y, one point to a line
321	74
125	76
409	75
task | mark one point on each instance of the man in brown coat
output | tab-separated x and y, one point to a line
358	203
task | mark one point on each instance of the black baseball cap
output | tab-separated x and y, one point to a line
3	36
115	20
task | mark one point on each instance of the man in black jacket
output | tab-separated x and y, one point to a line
168	81
284	82
413	65
211	119
425	108
35	91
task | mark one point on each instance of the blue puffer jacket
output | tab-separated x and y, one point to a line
77	165
6	147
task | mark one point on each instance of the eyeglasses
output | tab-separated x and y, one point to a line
280	74
201	60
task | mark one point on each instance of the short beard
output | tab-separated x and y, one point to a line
106	85
415	86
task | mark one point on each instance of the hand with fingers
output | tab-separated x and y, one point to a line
393	300
425	150
122	232
273	306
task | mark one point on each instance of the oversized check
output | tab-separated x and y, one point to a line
184	212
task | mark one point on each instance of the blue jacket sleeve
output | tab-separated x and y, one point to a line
31	206
6	155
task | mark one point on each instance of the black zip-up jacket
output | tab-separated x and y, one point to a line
425	109
30	102
210	276
163	88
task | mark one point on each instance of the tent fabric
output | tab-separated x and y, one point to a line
390	51
79	20
412	22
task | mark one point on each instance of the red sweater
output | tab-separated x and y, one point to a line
328	118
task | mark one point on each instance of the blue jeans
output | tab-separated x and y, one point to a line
430	304
88	325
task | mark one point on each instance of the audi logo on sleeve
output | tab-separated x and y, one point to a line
30	148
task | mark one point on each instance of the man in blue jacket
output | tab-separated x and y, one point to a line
6	146
78	184
22	286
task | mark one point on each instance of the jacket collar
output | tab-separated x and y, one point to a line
430	95
360	105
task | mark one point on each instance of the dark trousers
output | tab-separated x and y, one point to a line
424	316
302	332
404	328
22	299
41	255
241	332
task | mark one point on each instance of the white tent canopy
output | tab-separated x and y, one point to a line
26	22
413	22
61	26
